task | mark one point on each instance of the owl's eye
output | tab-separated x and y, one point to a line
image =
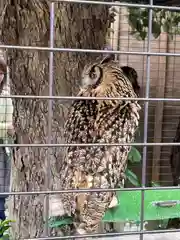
93	75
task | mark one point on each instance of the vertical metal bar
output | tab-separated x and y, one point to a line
146	107
50	116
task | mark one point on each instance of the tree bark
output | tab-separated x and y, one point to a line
27	23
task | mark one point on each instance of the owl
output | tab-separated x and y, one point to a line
98	121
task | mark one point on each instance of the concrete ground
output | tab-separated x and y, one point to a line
160	236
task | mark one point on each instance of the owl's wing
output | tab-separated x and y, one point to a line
79	129
80	119
97	166
107	163
116	125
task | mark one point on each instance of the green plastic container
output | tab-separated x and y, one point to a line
158	205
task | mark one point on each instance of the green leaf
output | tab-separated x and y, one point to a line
134	155
153	184
6	236
3	223
143	35
163	21
3	229
132	178
156	29
60	221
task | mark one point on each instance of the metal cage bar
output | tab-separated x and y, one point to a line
50	97
88	190
146	108
88	144
79	50
70	98
50	115
122	4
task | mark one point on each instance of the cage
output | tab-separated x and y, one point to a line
46	51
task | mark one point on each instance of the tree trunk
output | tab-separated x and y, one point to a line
27	23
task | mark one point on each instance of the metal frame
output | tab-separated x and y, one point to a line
49	144
146	108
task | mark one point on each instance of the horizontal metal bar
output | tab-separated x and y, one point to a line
78	50
88	144
148	6
88	98
105	235
50	192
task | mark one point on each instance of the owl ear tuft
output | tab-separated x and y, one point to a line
108	58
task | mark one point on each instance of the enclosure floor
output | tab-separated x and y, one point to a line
160	236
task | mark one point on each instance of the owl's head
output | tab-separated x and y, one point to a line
106	71
93	73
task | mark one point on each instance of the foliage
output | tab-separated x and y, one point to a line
4	226
162	21
60	221
132	178
153	184
134	156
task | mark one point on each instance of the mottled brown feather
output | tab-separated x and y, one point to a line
98	121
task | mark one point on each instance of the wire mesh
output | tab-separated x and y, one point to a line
148	54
